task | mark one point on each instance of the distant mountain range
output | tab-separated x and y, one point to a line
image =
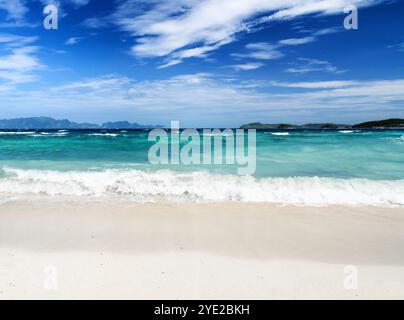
47	123
38	123
382	124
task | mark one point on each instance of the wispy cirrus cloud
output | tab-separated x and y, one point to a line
18	66
13	14
398	46
15	9
8	40
296	41
95	22
247	66
94	85
62	3
18	59
181	29
316	84
306	65
260	51
190	96
72	41
270	51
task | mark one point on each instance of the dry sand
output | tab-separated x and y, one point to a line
199	251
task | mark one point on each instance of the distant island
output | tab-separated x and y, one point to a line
47	123
389	123
382	124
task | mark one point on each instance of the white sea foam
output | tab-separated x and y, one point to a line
168	185
104	134
49	134
346	131
399	140
280	133
396	140
16	132
222	134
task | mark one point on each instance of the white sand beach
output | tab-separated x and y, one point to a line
199	251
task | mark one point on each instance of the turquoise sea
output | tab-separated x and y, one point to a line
293	167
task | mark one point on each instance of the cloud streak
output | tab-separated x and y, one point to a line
181	29
19	61
15	10
306	65
247	66
72	41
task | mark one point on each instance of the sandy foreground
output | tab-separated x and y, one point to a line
200	251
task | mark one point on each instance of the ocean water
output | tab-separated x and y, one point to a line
293	167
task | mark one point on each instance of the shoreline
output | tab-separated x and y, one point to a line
217	251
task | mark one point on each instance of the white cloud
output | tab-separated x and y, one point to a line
169	63
94	85
305	65
62	3
164	28
247	66
296	41
315	85
19	61
379	91
326	31
12	40
17	67
200	52
260	51
95	23
15	9
72	41
191	93
193	96
268	51
399	46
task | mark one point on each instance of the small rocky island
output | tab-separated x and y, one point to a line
382	124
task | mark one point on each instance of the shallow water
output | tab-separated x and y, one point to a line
298	167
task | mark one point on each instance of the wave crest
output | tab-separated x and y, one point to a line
166	185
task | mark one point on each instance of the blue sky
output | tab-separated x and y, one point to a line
216	63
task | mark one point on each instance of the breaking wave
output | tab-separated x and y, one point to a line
280	133
166	185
